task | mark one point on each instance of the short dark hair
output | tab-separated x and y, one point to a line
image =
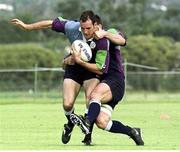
87	15
97	19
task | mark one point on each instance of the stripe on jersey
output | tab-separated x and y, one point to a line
101	59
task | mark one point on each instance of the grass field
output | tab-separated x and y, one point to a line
37	125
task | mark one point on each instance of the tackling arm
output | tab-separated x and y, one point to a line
115	38
112	35
89	66
101	63
33	26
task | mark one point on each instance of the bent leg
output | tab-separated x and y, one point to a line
104	122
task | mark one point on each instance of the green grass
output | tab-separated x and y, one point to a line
38	126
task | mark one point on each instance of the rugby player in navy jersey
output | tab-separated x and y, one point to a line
108	93
74	76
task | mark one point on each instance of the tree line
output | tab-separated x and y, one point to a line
152	34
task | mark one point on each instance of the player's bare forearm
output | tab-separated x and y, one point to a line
115	38
40	25
91	67
33	26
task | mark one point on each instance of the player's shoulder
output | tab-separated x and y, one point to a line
115	31
102	43
72	25
112	30
104	39
69	24
62	19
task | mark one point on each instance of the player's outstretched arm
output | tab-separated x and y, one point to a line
33	26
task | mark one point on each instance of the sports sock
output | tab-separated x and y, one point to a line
118	127
86	112
93	111
91	126
67	114
88	136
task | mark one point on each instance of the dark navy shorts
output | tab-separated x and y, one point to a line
78	73
117	85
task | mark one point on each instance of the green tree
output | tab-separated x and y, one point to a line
71	9
153	51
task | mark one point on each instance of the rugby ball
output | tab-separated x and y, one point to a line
86	53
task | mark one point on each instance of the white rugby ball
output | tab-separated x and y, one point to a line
86	53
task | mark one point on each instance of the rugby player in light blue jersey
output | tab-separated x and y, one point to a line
75	76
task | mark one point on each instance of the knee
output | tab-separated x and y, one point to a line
95	95
102	122
67	105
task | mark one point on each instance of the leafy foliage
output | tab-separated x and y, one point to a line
144	26
159	52
26	56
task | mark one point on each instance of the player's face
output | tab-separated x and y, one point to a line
87	28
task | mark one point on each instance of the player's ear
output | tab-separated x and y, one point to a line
100	26
96	26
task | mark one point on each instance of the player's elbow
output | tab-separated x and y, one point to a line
99	72
123	43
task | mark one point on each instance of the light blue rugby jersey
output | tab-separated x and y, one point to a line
70	28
